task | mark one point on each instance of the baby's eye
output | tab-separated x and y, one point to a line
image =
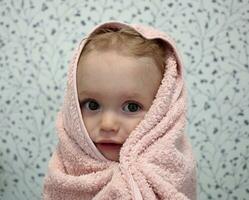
90	104
132	107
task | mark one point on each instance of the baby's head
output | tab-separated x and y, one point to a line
118	75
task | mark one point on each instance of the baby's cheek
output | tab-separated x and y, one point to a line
132	124
88	124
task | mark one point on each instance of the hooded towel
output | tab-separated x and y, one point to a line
156	161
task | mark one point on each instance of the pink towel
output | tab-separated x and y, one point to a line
156	160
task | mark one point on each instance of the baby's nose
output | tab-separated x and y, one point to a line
109	122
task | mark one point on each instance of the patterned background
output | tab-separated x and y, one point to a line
37	39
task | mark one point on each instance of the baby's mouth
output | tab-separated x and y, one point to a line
108	146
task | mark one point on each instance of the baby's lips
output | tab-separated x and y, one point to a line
107	147
108	142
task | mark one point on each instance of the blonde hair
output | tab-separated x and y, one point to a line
129	42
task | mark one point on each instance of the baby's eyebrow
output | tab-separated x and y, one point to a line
89	93
132	95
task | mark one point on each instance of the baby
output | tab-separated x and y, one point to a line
118	75
121	125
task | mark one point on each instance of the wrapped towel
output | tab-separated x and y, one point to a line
156	160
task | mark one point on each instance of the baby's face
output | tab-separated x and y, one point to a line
115	92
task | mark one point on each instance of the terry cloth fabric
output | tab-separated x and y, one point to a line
156	160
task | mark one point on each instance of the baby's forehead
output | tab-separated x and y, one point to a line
111	71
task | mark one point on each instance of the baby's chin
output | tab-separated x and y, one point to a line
110	151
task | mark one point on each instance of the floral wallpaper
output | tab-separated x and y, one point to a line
37	39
